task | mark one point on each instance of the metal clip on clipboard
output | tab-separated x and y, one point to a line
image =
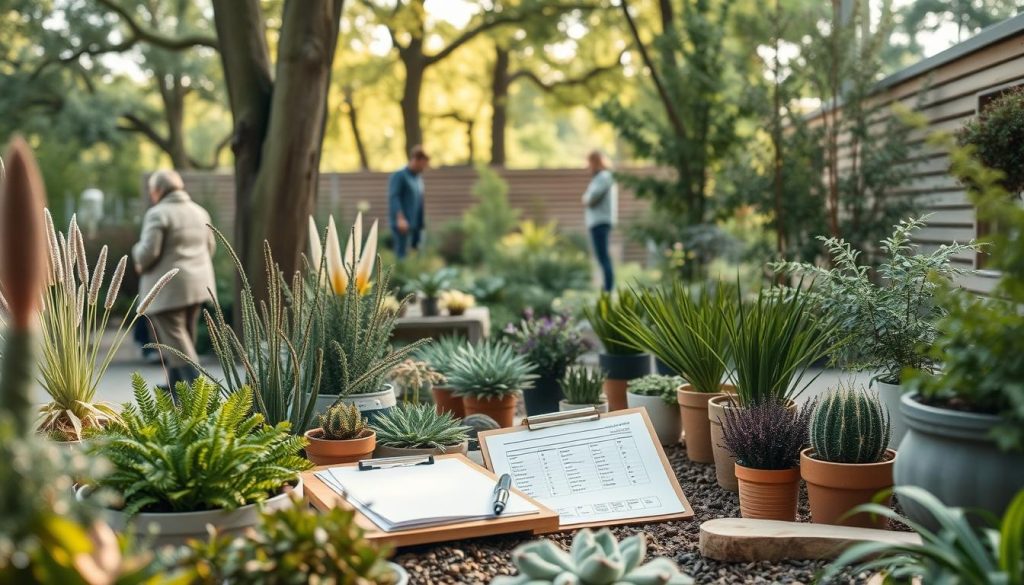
389	462
557	419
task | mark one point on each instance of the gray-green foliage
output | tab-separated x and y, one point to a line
418	426
489	219
850	425
889	323
205	453
656	385
595	559
440	353
430	284
582	385
490	370
343	422
357	329
279	354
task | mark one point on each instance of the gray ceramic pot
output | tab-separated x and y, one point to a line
889	395
370	405
950	454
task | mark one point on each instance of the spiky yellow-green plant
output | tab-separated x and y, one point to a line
343	422
73	321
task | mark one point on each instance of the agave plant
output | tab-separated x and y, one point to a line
440	353
593	560
74	320
490	370
959	552
205	453
418	426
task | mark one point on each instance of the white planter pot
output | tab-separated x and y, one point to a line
370	405
564	406
889	395
177	528
401	575
664	417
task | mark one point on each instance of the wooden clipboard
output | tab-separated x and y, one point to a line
323	497
587	415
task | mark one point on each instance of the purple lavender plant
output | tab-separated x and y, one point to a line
551	344
767	435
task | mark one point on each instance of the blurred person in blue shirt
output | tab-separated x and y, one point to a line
405	202
601	211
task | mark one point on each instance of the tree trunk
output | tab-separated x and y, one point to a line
353	121
174	113
415	67
499	106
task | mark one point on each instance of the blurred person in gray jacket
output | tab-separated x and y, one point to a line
601	212
175	235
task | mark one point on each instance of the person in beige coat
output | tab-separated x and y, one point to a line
175	235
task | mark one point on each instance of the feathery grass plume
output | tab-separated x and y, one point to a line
115	283
83	266
23	274
56	265
156	290
97	276
79	304
68	275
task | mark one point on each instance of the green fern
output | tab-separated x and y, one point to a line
207	452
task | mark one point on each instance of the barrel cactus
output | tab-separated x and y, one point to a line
343	422
850	425
595	559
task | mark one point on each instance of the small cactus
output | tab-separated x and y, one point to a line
850	425
595	559
343	422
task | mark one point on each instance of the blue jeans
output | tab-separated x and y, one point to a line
404	241
599	236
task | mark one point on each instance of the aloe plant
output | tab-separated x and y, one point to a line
582	385
595	559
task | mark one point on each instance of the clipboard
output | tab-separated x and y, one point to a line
591	414
323	498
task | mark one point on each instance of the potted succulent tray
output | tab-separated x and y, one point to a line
848	463
258	464
490	377
418	429
343	436
657	394
583	388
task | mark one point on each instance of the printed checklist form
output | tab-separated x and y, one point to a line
596	471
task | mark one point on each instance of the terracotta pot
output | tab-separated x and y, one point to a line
387	451
445	401
564	406
725	464
768	494
693	410
833	489
327	452
664	416
502	409
618	370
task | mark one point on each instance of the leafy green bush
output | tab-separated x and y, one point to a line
656	385
997	135
889	326
292	546
490	370
203	454
489	219
418	426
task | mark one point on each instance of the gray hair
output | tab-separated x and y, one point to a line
164	181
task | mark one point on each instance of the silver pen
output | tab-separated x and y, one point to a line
501	493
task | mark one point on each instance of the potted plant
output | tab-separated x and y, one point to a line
594	559
551	344
342	437
429	286
206	461
583	387
959	551
276	352
417	429
295	544
657	394
673	325
413	378
439	355
766	439
356	325
456	302
847	463
772	341
968	415
490	377
889	320
621	359
73	320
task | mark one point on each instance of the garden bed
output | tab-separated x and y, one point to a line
477	561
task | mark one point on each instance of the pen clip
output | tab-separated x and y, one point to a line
390	462
557	419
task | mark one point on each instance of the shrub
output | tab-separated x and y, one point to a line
203	454
581	385
489	219
766	435
490	370
850	425
997	135
418	426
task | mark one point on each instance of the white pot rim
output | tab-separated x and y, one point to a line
82	491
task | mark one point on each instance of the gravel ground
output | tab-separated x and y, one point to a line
477	561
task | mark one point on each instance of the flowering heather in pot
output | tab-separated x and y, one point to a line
767	435
551	344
